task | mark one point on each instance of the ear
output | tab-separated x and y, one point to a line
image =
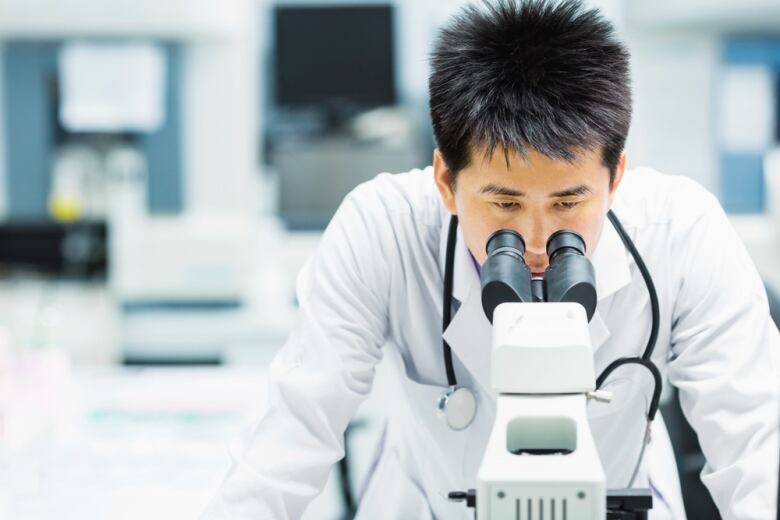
443	178
620	169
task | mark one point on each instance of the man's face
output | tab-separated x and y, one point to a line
535	196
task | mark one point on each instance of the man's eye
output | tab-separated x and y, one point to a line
567	204
507	205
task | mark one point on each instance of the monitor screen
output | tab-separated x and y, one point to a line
328	55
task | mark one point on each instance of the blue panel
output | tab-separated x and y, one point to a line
742	183
31	122
163	148
752	51
742	176
29	76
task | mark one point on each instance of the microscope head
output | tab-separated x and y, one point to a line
541	349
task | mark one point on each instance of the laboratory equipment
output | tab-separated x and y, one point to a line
506	278
541	454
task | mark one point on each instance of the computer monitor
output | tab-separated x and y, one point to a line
326	56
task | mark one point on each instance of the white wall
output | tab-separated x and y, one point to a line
220	116
674	85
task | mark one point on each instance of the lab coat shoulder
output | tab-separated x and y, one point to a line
404	206
705	253
652	198
410	204
406	210
379	223
410	194
665	215
723	347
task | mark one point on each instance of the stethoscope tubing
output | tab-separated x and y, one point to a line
452	238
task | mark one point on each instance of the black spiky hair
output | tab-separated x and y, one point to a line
549	75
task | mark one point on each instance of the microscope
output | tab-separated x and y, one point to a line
541	461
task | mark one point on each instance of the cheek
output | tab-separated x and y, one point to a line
476	225
590	227
476	236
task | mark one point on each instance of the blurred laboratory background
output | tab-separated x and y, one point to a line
167	166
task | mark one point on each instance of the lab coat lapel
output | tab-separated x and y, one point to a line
465	272
469	333
611	264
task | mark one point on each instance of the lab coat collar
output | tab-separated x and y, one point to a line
469	332
611	262
465	271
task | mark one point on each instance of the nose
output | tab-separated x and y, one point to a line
537	262
535	236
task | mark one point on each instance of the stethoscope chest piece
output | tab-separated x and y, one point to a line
458	407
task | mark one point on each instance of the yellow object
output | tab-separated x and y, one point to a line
65	209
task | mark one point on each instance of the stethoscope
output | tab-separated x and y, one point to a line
458	405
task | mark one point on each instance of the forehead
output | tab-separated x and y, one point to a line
535	169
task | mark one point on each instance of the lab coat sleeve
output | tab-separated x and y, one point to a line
725	351
323	372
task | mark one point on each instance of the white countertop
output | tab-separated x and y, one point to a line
132	443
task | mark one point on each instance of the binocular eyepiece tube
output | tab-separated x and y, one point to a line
505	277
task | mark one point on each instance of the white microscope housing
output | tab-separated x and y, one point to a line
541	460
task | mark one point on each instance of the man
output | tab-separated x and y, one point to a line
531	104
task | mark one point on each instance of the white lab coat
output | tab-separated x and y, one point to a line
374	289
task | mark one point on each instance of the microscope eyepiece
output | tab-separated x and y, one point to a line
563	241
570	276
505	277
506	241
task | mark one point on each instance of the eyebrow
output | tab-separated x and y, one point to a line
497	189
576	191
